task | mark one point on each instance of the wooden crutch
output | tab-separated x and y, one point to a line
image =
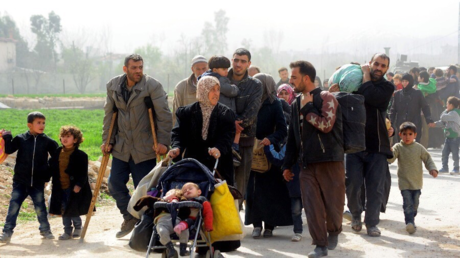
100	177
148	102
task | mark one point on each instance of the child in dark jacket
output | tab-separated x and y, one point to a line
71	194
30	173
277	159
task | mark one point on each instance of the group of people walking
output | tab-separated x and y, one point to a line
222	113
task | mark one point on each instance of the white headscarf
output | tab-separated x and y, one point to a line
204	86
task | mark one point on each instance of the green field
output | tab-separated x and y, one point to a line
89	121
92	95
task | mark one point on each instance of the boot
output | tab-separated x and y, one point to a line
333	240
126	227
5	238
65	236
319	251
76	233
183	250
47	234
170	250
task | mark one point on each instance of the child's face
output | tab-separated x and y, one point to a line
190	191
405	83
449	106
420	79
408	136
396	81
68	141
37	126
221	71
284	95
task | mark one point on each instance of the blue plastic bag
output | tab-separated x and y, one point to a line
349	77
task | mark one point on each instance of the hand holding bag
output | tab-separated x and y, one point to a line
260	162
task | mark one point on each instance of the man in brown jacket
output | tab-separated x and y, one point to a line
131	143
185	90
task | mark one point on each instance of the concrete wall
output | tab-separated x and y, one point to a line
7	54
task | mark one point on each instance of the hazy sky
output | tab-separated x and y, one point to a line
306	25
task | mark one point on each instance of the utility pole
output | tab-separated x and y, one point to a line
458	33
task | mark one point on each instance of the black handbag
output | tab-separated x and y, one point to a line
142	232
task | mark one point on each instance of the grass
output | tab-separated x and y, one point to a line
89	121
55	95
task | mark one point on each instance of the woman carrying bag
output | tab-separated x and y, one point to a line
267	197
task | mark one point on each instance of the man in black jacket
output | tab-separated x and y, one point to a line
369	167
248	104
315	134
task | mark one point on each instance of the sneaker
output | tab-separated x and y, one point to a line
126	227
373	231
5	238
443	170
319	251
356	225
297	237
347	215
410	228
268	232
333	240
256	233
65	236
76	233
47	234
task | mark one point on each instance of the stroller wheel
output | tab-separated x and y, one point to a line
217	254
208	254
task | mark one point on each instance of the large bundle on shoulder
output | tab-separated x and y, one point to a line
353	121
349	77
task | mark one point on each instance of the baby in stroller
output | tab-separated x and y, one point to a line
164	225
192	192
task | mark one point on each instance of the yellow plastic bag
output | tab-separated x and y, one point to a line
226	217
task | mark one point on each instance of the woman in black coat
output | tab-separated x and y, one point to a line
407	105
205	130
267	197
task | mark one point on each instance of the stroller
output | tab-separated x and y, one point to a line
184	171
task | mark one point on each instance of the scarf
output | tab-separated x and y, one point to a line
289	90
203	88
268	87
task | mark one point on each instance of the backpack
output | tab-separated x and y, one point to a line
353	121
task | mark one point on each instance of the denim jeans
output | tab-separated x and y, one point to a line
411	200
67	220
119	177
296	209
371	170
451	145
18	195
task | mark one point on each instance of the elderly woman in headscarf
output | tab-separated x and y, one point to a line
205	130
267	199
286	94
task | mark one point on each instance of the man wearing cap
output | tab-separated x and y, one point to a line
185	90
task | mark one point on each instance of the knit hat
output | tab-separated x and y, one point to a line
408	78
199	59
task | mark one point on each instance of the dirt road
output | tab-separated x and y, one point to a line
438	233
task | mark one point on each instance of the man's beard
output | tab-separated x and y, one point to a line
300	88
376	75
131	77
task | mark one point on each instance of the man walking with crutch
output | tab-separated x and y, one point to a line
132	142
